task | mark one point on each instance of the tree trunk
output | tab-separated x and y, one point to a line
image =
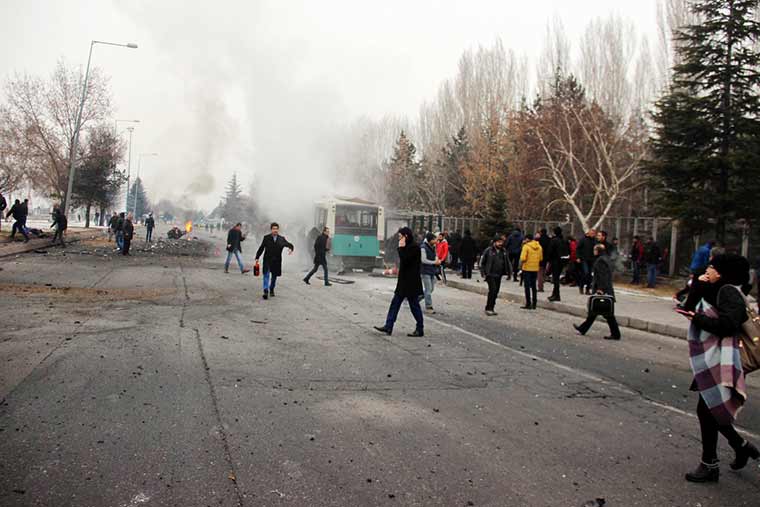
102	216
87	216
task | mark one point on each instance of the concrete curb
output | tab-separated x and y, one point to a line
623	320
10	250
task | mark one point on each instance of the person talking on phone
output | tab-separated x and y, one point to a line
409	284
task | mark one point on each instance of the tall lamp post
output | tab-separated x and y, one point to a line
139	162
78	123
129	158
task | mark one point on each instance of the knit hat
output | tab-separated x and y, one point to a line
733	268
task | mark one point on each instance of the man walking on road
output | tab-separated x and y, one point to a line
531	258
61	223
120	231
272	246
408	286
234	238
150	224
430	263
493	265
321	247
127	234
602	285
17	213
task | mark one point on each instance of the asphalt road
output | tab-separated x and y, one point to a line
163	381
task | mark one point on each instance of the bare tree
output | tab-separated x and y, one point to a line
38	118
672	15
555	56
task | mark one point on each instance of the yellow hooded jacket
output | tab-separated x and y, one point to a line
532	254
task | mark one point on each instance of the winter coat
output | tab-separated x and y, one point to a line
234	238
113	222
129	229
731	309
467	248
15	211
701	257
493	262
637	251
531	256
150	223
60	219
442	250
120	224
321	248
545	242
24	210
272	247
556	247
3	203
409	283
573	245
652	254
514	243
602	275
427	259
585	249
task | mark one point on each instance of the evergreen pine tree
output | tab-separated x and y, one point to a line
706	147
404	175
495	221
139	206
232	208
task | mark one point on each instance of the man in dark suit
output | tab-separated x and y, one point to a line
321	247
128	232
234	238
272	246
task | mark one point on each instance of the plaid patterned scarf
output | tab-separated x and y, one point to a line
717	368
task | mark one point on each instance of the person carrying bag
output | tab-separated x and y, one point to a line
602	300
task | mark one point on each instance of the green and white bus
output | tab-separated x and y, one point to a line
357	231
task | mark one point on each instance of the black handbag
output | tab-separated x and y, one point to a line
601	304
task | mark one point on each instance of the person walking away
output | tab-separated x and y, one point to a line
530	258
514	249
467	252
112	226
586	260
442	252
272	246
17	213
543	240
558	255
60	222
408	285
128	233
3	205
602	285
234	239
120	231
321	247
430	263
637	260
715	362
150	224
493	265
652	257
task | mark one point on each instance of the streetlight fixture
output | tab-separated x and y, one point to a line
129	168
116	123
78	123
139	162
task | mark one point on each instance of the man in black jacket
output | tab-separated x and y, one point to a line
17	212
408	285
467	252
557	255
59	220
272	246
234	238
585	260
128	231
321	247
120	231
150	224
544	241
493	265
602	285
514	249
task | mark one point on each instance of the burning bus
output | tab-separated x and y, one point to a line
357	231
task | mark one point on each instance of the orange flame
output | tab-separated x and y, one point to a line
189	226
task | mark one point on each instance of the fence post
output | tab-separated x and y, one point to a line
673	246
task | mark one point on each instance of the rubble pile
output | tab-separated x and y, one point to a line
184	247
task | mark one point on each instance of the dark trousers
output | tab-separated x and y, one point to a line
636	266
710	428
149	235
529	279
467	265
414	306
587	267
556	275
58	236
127	243
494	284
611	321
514	261
314	270
19	225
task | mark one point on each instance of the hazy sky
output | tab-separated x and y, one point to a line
251	85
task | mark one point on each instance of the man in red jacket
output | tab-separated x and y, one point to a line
442	252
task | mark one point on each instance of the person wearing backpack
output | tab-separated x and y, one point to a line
558	254
715	362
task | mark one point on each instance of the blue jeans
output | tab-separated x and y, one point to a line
414	306
651	275
270	280
314	270
120	240
428	286
636	272
229	258
529	280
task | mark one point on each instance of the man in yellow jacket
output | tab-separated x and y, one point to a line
531	256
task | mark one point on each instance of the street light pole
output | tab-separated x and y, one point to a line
78	122
129	167
139	163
